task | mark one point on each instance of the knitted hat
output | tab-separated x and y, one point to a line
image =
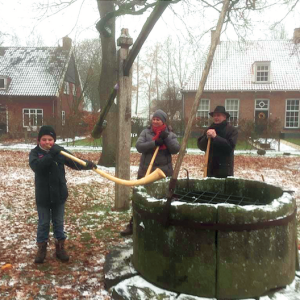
220	109
47	130
161	115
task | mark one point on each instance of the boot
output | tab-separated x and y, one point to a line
129	229
60	251
41	254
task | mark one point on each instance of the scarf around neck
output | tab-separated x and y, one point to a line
157	131
219	128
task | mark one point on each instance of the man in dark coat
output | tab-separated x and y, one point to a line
51	190
223	140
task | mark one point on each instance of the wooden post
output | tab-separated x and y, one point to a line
122	193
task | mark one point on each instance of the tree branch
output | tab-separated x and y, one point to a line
124	9
291	9
213	6
147	28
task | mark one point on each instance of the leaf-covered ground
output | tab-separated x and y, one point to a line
91	223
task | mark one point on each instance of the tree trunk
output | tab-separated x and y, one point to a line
108	79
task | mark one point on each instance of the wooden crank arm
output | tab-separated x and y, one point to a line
156	175
195	106
206	157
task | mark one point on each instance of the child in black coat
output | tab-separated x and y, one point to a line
51	190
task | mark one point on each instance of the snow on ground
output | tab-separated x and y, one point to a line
91	224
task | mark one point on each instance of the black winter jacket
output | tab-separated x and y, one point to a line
221	153
146	145
50	180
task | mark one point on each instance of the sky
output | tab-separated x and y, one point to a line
32	24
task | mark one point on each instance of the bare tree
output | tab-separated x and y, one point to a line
279	33
149	81
88	59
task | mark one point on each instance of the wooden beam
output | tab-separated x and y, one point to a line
195	106
147	28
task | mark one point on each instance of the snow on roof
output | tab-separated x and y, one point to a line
34	71
232	67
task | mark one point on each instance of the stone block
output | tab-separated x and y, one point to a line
118	266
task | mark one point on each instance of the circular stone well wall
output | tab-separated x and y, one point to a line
216	250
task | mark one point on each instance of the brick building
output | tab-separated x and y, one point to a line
253	80
38	86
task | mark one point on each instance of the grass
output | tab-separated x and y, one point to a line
243	145
192	143
85	142
294	141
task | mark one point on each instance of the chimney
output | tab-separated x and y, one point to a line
296	37
212	34
67	43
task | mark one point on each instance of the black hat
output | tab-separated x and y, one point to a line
161	115
221	110
47	130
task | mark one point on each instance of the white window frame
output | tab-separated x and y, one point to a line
262	108
257	71
33	112
63	117
66	88
74	90
234	113
295	111
4	83
203	112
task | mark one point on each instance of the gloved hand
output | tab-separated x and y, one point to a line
90	165
55	149
159	142
163	135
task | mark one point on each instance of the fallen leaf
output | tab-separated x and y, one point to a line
6	267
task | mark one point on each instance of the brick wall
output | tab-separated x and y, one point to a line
277	103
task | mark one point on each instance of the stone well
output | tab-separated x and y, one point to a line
216	250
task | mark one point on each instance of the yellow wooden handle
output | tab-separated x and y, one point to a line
152	161
206	157
156	175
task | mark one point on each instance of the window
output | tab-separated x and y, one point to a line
262	104
3	82
32	117
232	107
63	117
203	113
262	72
66	88
292	113
74	89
